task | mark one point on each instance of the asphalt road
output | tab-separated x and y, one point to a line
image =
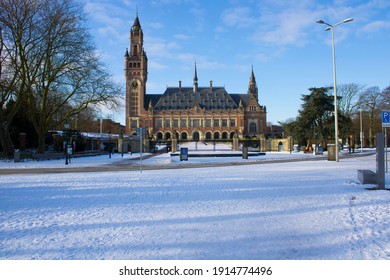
133	165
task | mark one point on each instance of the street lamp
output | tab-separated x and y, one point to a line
336	129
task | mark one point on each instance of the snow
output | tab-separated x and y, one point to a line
271	209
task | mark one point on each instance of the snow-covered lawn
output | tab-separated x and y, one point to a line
296	210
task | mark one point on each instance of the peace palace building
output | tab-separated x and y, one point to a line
191	113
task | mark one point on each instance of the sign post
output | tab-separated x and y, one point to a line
385	118
141	132
385	125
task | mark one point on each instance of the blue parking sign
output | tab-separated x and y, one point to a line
385	118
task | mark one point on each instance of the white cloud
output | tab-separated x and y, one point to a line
108	19
182	36
239	17
161	48
156	25
376	26
156	66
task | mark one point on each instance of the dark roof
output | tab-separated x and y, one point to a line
136	22
154	98
185	98
237	97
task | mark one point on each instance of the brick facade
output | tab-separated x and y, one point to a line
192	113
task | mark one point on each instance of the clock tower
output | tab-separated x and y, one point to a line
136	75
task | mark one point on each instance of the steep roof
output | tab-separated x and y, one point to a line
182	98
237	97
136	22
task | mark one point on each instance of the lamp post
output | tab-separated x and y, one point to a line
361	130
66	126
336	129
109	144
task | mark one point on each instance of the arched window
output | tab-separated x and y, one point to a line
252	127
216	135
224	135
208	135
159	136
167	135
195	136
184	135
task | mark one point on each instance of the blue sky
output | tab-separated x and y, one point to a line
288	50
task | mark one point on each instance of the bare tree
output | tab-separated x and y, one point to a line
16	21
349	94
385	99
7	94
369	101
63	73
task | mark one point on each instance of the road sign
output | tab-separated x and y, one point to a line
141	131
385	118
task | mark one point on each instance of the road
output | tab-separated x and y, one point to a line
133	165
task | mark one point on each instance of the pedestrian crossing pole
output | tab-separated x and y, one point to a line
141	132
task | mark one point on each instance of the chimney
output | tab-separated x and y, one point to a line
211	85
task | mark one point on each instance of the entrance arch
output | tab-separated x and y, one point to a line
159	136
196	136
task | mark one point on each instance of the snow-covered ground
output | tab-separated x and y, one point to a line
290	210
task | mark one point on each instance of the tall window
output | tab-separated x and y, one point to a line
158	123
252	127
196	123
133	124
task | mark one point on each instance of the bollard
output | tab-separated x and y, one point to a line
380	161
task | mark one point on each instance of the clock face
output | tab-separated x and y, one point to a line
134	84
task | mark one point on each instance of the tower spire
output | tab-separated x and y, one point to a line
252	89
195	79
136	21
252	78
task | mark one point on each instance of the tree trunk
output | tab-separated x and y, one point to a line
370	134
41	141
6	141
